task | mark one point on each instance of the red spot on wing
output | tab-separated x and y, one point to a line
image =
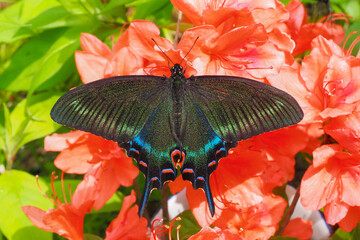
177	157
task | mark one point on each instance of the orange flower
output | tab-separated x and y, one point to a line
331	77
351	220
103	162
201	12
332	182
244	51
215	233
66	220
256	222
238	35
127	225
326	85
299	228
303	32
97	61
346	130
280	147
158	230
132	54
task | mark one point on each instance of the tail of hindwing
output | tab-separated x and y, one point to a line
155	174
198	173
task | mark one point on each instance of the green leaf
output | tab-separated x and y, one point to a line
43	61
53	64
24	65
189	225
88	236
355	26
353	8
23	18
113	4
7	126
146	8
29	120
342	235
92	7
115	11
40	124
113	204
19	189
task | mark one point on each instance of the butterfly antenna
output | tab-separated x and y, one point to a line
189	49
169	60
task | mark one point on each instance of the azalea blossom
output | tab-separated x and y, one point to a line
215	233
331	78
244	51
303	32
346	130
159	230
204	12
257	222
332	183
233	43
66	219
299	228
127	225
280	148
97	60
103	162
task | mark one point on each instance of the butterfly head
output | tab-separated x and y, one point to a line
177	70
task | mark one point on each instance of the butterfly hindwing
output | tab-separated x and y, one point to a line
239	108
114	108
203	148
152	149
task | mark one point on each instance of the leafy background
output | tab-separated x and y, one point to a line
38	39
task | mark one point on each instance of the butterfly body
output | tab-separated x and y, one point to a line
177	123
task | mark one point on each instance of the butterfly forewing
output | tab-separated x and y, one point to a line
115	108
239	108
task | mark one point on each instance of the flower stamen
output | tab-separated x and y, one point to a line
62	186
37	182
55	197
353	44
334	17
158	231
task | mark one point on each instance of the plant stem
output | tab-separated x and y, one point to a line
289	212
177	30
164	202
164	205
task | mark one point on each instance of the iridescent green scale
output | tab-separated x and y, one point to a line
176	123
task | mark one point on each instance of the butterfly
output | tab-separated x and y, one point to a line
171	124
